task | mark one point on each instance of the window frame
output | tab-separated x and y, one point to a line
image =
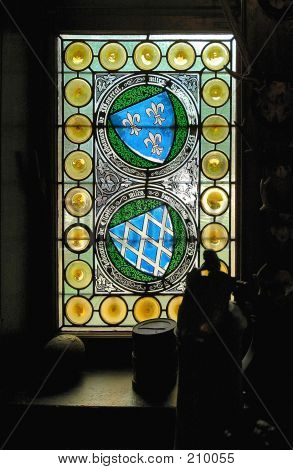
81	331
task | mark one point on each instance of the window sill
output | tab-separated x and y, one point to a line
96	389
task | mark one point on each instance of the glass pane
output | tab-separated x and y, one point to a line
146	156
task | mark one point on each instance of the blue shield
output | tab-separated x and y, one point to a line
146	241
147	127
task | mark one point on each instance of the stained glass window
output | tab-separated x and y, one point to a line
146	172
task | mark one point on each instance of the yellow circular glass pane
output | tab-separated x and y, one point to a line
146	308
113	56
113	310
78	92
78	128
78	274
78	165
204	273
78	238
215	92
214	201
215	165
215	56
173	307
78	202
223	267
181	56
214	237
78	310
78	56
215	128
147	56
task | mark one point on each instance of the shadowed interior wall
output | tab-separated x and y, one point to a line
14	204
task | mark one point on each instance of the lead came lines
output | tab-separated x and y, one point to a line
140	117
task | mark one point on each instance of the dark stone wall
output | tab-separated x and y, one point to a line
26	175
14	207
268	153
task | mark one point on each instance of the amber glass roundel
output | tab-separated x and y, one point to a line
78	274
215	92
214	201
215	128
181	56
78	92
78	165
215	165
113	56
223	267
78	238
147	56
214	237
78	310
173	307
146	308
78	202
78	56
78	128
113	310
215	56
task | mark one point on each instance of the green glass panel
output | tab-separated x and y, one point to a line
133	96
133	209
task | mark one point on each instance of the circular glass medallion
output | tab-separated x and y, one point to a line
113	56
78	128
204	273
78	92
181	56
78	310
214	201
215	56
147	56
78	202
78	165
215	128
78	238
78	274
113	310
146	308
78	56
173	307
215	165
144	125
214	237
223	267
140	251
215	92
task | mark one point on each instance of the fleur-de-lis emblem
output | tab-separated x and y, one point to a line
154	140
156	109
132	121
